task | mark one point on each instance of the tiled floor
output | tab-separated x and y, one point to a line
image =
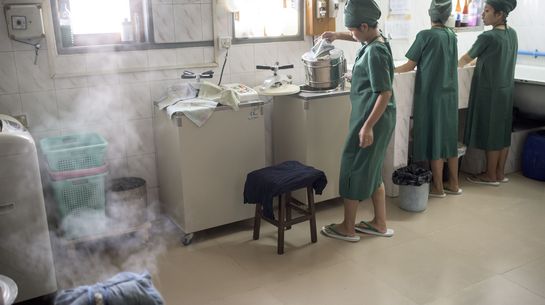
484	247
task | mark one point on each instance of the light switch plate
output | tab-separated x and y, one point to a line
24	21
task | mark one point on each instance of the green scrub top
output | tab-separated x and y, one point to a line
361	168
490	116
435	110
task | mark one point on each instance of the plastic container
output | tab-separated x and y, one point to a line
8	290
533	156
74	152
127	201
414	198
56	176
414	187
76	196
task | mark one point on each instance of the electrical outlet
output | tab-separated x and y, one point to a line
224	42
22	119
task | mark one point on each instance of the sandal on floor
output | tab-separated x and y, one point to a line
504	180
459	192
479	180
330	231
367	228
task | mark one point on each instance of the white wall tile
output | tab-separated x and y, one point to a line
162	58
135	77
207	22
104	105
190	56
188	22
70	82
10	104
8	74
98	62
133	60
145	168
163	22
241	59
136	101
41	108
72	105
117	168
102	80
33	77
266	54
5	42
139	137
66	64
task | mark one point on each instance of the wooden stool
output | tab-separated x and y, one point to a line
285	220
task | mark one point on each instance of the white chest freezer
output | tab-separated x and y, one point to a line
202	170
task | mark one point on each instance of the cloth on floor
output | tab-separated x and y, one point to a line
196	109
125	288
227	97
176	93
264	184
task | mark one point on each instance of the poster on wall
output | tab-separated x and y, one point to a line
400	7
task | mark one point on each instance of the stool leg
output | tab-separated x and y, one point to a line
257	220
312	211
288	208
281	224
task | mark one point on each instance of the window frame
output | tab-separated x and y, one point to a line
298	37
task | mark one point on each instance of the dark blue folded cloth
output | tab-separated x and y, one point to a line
125	288
263	184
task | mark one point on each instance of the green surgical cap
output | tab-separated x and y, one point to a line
440	10
503	5
357	12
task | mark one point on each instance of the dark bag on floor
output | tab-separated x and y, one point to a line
411	175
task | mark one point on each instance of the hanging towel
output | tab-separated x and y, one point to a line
125	288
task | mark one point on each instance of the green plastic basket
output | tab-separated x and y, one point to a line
73	152
79	195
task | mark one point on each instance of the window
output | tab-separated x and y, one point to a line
267	20
83	26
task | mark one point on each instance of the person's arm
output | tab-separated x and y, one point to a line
366	131
331	36
406	67
464	60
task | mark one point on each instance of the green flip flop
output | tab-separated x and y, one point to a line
367	228
330	231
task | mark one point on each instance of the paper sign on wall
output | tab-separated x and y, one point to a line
398	29
399	7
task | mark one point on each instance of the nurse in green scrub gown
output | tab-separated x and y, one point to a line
372	121
435	111
489	120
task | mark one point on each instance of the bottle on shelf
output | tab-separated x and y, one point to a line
473	13
458	12
465	15
127	34
65	22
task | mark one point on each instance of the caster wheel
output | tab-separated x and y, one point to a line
187	239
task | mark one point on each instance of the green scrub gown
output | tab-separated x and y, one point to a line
361	168
490	115
435	111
